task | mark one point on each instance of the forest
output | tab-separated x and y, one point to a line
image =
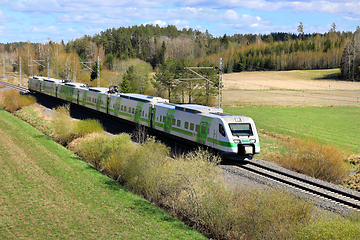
153	58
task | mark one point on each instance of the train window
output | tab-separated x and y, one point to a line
129	109
157	119
124	108
168	120
178	123
191	126
241	129
186	125
143	113
163	119
160	118
203	129
197	128
173	121
221	130
133	110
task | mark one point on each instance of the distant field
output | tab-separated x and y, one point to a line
47	192
338	126
289	88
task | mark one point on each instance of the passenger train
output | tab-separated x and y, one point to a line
234	137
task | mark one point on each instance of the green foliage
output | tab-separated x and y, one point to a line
136	79
87	126
331	227
63	124
65	129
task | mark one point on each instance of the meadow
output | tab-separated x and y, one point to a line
339	126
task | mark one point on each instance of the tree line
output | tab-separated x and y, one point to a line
166	51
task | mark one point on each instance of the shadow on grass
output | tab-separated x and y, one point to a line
332	76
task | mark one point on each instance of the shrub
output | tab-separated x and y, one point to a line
12	100
331	227
91	148
314	159
116	157
63	125
144	172
83	127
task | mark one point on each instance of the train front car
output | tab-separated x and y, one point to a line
233	137
239	137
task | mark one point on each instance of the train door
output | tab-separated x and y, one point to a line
117	106
98	102
168	121
203	130
138	112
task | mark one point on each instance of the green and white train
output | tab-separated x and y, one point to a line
234	137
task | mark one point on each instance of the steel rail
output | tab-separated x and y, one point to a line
21	89
304	184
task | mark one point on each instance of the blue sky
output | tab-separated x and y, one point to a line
56	20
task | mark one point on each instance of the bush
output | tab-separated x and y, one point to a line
67	129
91	148
117	155
314	159
84	127
12	100
191	188
63	124
331	227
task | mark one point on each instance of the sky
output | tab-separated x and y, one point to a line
56	20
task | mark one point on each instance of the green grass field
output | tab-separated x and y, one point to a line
339	126
47	192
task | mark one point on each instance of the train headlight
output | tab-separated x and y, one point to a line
237	141
252	140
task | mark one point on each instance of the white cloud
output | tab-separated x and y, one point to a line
159	22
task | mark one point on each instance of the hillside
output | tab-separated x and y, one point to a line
47	192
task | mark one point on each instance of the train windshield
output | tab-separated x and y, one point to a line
241	129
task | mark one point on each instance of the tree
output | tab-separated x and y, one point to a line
300	29
165	76
125	86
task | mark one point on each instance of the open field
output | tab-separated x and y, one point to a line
289	88
47	192
339	126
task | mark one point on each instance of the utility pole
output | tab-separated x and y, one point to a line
98	72
220	104
98	69
4	66
20	68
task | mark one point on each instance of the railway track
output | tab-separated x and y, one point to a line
340	196
21	89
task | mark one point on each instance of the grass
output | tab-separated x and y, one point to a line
338	126
47	192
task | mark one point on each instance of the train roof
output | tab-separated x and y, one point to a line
48	79
99	89
144	98
195	108
78	85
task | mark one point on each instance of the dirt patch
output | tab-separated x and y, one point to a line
287	89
